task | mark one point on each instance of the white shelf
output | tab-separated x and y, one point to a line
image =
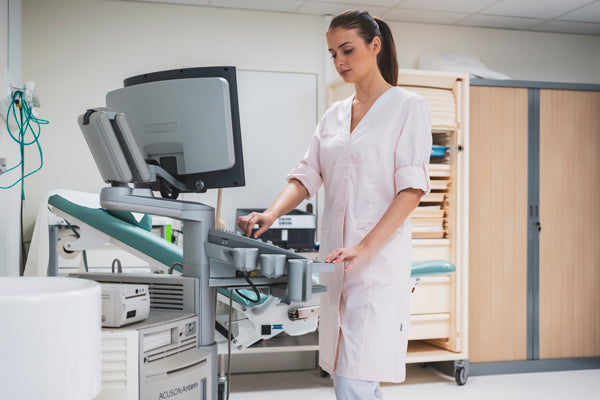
422	352
278	344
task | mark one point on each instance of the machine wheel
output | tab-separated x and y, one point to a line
460	375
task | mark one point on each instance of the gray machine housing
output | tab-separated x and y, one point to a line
124	304
170	364
167	292
165	137
201	256
287	273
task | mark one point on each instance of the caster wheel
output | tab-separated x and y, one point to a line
460	375
324	374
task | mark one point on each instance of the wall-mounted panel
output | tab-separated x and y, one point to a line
10	73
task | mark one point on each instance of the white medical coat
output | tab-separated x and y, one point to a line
363	332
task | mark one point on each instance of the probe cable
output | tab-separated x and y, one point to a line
254	288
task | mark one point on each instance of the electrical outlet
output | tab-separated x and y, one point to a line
31	95
2	165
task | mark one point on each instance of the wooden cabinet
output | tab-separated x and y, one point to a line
498	224
438	306
534	228
569	314
438	325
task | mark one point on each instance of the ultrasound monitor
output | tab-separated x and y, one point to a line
186	121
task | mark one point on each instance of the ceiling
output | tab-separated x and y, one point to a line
564	16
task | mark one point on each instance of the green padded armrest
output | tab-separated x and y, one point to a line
133	236
239	299
430	268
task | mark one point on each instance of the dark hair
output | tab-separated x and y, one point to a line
369	27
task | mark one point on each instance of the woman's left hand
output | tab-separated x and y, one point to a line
349	255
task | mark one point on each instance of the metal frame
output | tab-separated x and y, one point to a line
517	367
533	238
197	218
535	84
53	254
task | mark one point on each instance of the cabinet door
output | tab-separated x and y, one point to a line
570	222
498	224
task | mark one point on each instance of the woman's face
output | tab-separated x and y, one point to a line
352	57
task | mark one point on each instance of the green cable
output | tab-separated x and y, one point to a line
25	126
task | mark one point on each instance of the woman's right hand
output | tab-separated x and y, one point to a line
247	222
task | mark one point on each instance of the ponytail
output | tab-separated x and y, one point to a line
386	59
369	27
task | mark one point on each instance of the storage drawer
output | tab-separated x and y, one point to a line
429	326
432	296
431	249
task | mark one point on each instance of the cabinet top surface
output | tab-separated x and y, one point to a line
535	84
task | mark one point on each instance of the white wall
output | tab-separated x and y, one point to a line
278	111
77	50
522	55
10	73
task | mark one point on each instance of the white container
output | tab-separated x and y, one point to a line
50	338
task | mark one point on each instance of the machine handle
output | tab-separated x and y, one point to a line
319	267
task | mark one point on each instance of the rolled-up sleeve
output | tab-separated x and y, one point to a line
308	171
414	149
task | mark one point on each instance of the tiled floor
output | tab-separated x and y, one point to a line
425	384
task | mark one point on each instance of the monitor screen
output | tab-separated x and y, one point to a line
187	121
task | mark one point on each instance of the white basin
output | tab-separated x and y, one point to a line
49	338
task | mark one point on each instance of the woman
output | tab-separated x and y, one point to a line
371	152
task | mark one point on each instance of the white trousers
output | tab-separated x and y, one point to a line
353	389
